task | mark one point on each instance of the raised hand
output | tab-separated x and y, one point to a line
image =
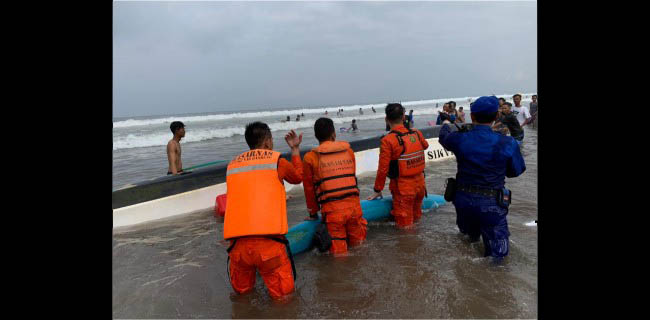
293	140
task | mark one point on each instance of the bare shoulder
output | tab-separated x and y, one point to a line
172	145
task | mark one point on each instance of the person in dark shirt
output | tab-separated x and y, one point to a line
441	114
507	119
453	114
409	121
353	127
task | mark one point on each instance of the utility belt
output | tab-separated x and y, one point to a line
488	192
279	238
503	195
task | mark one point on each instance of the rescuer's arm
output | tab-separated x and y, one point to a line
425	143
447	138
308	186
382	168
516	164
292	172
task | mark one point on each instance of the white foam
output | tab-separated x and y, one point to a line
162	136
215	117
531	224
261	114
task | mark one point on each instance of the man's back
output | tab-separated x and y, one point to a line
395	148
310	165
484	157
391	150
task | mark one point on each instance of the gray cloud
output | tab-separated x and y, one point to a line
172	57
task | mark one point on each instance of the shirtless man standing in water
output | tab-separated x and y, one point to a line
174	148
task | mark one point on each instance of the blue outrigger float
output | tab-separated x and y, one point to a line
301	235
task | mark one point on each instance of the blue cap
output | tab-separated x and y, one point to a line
485	105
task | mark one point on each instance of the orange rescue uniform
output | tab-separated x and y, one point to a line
408	191
256	210
342	209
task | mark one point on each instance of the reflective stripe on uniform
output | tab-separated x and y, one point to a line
408	154
418	155
268	166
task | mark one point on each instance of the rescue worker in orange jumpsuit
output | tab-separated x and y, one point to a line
330	186
256	216
401	158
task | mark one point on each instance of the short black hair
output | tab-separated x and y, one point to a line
508	104
323	129
354	120
175	126
502	99
460	108
535	95
485	117
516	96
394	112
453	102
256	133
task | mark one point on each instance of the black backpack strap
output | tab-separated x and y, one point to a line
286	244
350	194
336	190
319	182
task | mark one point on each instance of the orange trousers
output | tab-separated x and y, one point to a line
266	256
407	202
346	223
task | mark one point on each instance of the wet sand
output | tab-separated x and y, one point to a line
176	268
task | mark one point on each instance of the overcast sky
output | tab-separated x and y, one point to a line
186	57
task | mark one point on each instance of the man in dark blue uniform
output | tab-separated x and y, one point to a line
484	159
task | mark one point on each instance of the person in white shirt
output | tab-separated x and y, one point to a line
522	113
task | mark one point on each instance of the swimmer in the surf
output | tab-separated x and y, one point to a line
174	148
353	127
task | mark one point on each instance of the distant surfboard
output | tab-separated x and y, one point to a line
343	129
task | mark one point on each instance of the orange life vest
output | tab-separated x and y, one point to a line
256	201
334	177
411	161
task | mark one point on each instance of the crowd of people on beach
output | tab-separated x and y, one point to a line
510	121
256	229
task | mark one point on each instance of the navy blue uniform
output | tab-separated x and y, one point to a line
484	159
